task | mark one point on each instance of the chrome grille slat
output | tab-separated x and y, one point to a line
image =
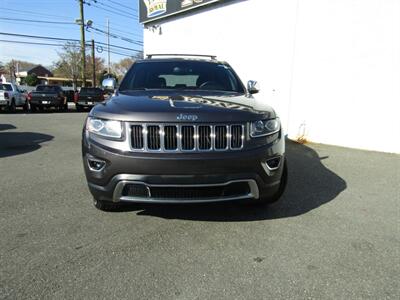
186	137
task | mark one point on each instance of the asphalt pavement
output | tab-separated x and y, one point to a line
334	235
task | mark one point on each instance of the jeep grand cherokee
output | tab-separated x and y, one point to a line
183	130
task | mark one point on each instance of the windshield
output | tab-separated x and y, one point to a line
5	87
47	88
183	75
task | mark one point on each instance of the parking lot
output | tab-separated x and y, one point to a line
335	234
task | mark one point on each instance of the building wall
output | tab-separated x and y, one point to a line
330	68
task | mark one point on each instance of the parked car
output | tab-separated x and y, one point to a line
11	96
183	130
88	97
48	96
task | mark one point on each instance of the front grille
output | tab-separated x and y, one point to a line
232	190
170	138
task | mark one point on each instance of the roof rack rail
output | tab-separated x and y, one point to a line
149	56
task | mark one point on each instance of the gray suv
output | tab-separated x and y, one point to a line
183	129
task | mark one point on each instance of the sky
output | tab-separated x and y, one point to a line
122	14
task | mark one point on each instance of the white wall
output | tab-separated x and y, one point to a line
330	68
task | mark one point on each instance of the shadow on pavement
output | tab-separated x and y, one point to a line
7	127
15	143
310	185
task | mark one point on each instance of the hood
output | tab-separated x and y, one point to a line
167	106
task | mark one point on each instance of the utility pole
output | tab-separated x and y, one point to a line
94	65
108	44
83	54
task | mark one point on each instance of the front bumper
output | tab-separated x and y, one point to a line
183	170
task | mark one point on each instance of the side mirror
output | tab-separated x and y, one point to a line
109	84
253	87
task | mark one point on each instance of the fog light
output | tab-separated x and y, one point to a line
273	163
96	164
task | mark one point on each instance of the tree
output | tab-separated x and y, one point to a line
22	65
120	68
32	80
99	65
69	63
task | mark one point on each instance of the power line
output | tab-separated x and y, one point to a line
113	7
122	54
117	36
24	12
70	23
120	4
119	30
120	13
38	37
63	39
60	26
32	43
120	47
37	21
57	45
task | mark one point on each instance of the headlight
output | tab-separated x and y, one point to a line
266	127
106	128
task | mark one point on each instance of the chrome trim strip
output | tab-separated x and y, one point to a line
145	132
162	134
117	195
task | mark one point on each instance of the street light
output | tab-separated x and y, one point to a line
88	23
